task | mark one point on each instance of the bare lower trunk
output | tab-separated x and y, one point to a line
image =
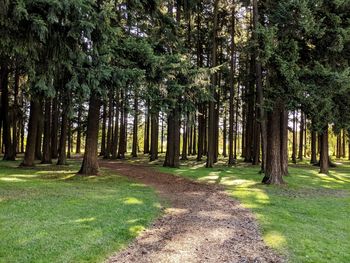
324	154
184	140
5	111
274	172
284	141
135	127
313	147
301	137
39	135
54	127
294	150
47	133
29	156
78	145
172	155
104	125
62	154
154	136
90	164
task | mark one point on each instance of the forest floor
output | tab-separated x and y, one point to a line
200	224
307	220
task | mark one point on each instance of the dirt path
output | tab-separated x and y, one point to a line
202	224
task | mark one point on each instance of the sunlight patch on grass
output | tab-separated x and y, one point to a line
275	239
132	201
84	220
12	179
135	230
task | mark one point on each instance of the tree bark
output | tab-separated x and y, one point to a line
184	139
259	91
211	122
274	173
172	156
147	131
313	147
231	132
104	126
78	143
284	141
69	139
154	135
224	136
15	117
294	149
115	141
344	145
62	152
39	135
46	158
108	149
9	155
90	164
324	153
29	156
135	127
301	137
54	125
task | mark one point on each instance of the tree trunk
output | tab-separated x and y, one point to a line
313	147
256	143
294	150
301	137
54	126
211	122
201	132
284	141
274	173
5	111
154	135
115	141
185	139
104	125
224	136
15	117
62	152
135	127
29	156
108	149
69	138
46	158
147	131
259	91
231	132
172	156
162	135
90	163
39	135
194	139
343	144
123	122
78	145
324	154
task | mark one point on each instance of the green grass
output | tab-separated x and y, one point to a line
48	214
308	220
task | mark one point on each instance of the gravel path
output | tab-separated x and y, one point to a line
202	224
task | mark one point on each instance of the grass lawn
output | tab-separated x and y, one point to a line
308	220
48	214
